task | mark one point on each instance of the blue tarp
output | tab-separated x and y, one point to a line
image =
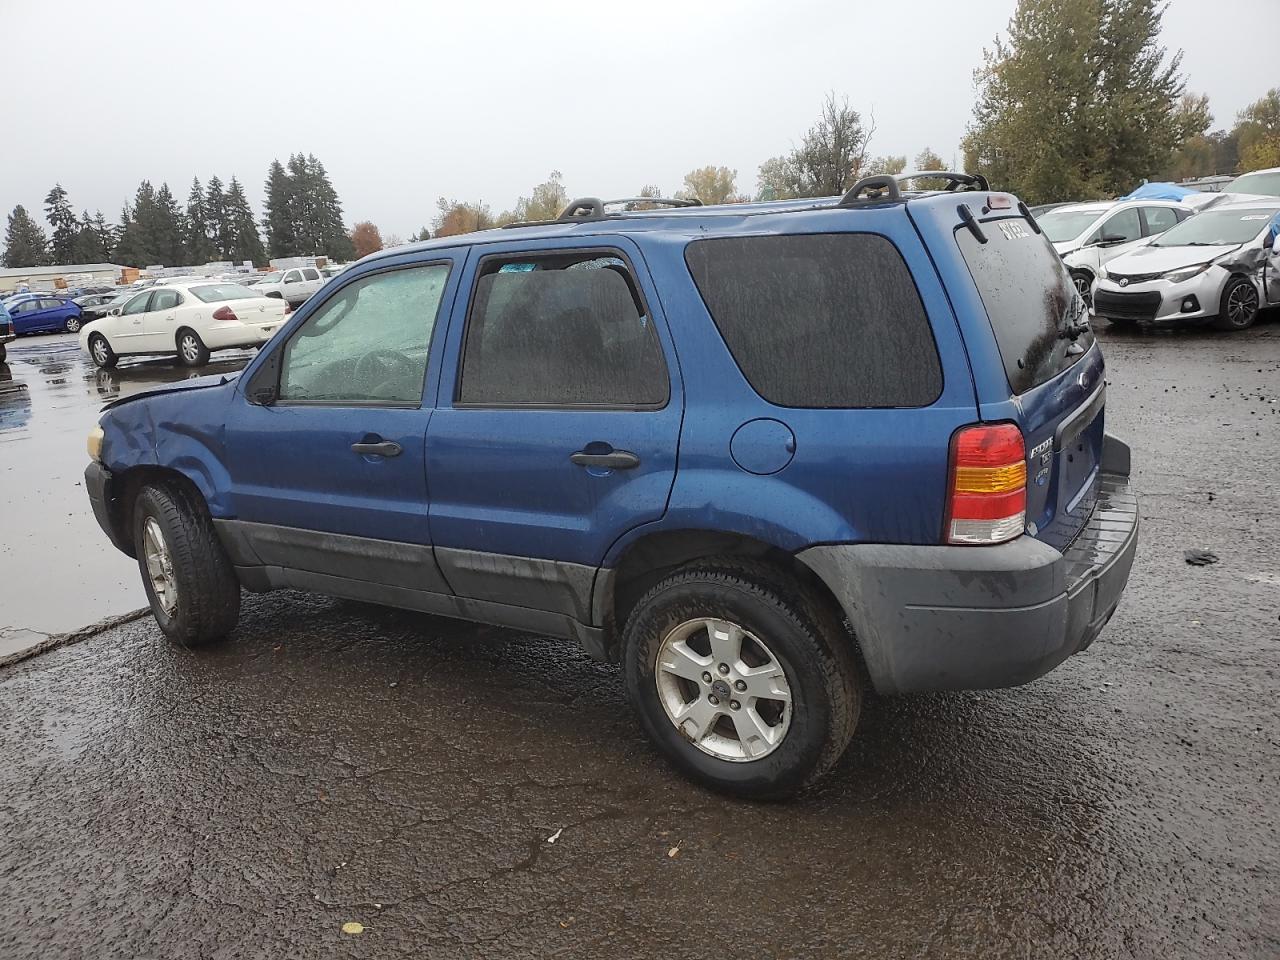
1159	191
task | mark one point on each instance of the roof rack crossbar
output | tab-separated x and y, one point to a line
657	201
955	180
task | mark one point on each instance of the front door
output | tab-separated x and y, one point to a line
159	324
131	337
328	476
558	430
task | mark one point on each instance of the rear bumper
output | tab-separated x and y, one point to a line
974	618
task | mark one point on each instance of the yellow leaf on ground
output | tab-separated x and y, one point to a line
352	927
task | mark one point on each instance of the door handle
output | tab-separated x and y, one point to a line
382	448
614	460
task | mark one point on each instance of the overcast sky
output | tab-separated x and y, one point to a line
406	102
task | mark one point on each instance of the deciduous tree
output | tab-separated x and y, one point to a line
1078	101
710	184
365	239
456	216
547	202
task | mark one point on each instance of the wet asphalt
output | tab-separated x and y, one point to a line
335	762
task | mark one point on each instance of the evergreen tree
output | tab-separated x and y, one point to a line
199	247
25	244
334	241
63	221
119	234
282	239
169	229
1080	101
106	237
215	211
245	242
88	244
138	240
423	234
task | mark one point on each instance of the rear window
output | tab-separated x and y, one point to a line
820	320
1029	298
215	292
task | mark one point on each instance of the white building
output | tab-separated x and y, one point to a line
46	278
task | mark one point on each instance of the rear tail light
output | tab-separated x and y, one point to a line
987	487
224	314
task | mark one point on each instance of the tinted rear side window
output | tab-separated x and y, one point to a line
544	334
825	320
1029	299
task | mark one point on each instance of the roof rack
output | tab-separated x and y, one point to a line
589	209
884	186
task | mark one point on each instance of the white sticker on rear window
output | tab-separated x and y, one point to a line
1262	217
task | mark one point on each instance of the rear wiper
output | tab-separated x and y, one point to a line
1077	325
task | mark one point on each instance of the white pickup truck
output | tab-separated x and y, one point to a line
293	285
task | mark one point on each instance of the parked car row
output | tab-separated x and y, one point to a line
1167	255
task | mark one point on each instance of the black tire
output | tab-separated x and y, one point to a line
103	356
191	349
73	324
3	352
1239	307
207	603
1083	281
804	637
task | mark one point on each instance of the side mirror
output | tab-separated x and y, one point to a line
290	280
115	312
1111	239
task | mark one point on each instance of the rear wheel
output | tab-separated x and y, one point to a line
101	352
1083	282
1239	305
191	349
741	678
189	580
3	352
73	324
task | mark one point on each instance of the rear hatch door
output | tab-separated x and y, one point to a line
1033	355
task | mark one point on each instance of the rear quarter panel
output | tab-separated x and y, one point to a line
857	475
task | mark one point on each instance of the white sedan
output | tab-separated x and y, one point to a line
187	319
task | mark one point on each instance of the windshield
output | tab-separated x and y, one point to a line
1262	183
1063	225
1216	228
272	277
215	292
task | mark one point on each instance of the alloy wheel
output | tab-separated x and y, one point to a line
1242	304
100	350
190	349
723	689
159	566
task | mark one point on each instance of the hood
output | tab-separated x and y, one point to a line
195	383
1163	259
1065	247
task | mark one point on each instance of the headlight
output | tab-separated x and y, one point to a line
1102	271
95	443
1186	273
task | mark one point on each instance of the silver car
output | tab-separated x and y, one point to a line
1221	266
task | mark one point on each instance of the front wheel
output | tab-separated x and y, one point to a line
1239	305
188	577
100	350
73	324
191	349
741	678
1082	280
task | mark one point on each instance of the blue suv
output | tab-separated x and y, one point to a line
760	455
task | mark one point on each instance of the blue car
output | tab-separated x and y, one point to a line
758	455
44	314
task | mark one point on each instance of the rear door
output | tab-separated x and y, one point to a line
557	431
1034	357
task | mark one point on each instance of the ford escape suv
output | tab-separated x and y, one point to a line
759	455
